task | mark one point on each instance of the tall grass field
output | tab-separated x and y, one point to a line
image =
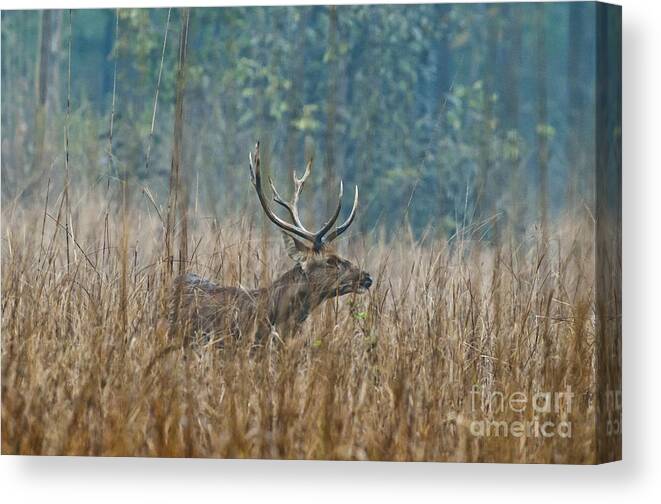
440	361
480	319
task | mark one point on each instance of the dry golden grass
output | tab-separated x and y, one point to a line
87	370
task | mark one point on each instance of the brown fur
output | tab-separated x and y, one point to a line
214	312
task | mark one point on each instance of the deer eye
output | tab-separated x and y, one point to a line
333	261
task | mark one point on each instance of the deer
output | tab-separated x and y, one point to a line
319	274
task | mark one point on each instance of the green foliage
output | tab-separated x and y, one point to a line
427	117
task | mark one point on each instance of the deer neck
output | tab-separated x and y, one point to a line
292	298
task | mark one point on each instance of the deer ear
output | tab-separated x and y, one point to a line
295	249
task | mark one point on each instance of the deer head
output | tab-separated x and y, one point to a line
325	273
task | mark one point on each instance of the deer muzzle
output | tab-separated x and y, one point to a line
365	280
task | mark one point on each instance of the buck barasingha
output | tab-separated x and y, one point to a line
201	307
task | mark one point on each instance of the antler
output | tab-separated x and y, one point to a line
255	177
292	206
297	228
345	225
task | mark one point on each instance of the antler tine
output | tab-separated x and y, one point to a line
326	227
291	207
345	225
299	182
252	161
255	177
298	186
276	195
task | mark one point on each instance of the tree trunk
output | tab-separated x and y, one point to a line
295	97
331	107
511	98
177	201
575	102
485	206
42	91
542	120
